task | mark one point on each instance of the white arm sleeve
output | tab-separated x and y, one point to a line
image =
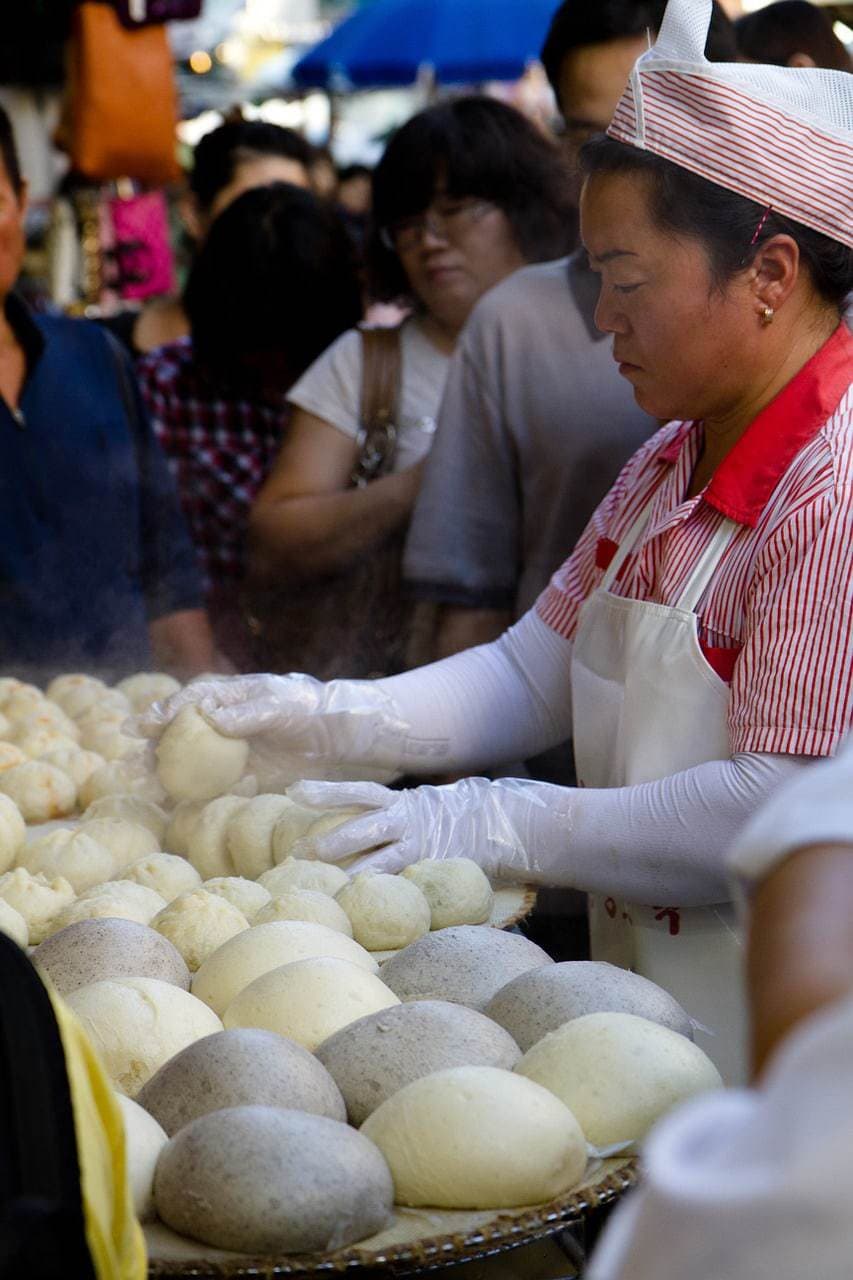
658	843
497	703
816	809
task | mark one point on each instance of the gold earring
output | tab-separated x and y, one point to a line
767	315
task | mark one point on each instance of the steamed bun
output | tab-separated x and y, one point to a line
129	776
309	1000
247	896
250	832
207	847
41	791
129	808
194	761
36	898
75	694
267	946
36	743
13	924
477	1138
144	1140
198	923
138	1024
74	854
77	763
303	873
95	949
101	730
44	716
13	832
181	823
305	904
387	912
457	890
116	900
126	841
293	822
165	873
10	755
147	687
22	700
618	1073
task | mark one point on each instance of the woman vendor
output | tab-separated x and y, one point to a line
699	640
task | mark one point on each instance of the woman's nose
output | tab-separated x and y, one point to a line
432	235
608	317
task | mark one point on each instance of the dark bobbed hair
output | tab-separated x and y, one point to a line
9	151
775	34
689	207
275	278
219	153
582	22
475	146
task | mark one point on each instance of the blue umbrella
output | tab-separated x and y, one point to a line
389	42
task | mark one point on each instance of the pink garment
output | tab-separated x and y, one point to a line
142	247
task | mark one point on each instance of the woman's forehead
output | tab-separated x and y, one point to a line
616	215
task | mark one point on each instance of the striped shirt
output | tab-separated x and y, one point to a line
776	620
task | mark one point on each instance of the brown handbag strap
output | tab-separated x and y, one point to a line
382	363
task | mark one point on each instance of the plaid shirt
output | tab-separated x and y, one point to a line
220	445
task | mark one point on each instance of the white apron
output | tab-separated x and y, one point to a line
646	704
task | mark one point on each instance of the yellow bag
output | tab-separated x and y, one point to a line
65	1199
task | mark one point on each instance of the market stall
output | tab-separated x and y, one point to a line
222	974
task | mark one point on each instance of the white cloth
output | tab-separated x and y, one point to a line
648	706
814	809
749	1185
715	119
331	390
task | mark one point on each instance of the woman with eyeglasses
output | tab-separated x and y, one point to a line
466	193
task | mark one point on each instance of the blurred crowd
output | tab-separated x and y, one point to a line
368	428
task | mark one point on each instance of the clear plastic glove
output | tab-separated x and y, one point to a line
515	830
298	726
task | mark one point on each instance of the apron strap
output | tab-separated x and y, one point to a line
626	546
706	566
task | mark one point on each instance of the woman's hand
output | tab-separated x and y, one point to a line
515	830
296	724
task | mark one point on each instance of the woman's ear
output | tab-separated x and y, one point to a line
776	270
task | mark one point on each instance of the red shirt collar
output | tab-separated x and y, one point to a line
741	486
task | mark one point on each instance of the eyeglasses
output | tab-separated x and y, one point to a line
445	220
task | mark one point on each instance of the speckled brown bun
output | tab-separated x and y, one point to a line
374	1057
94	950
243	1067
466	964
262	1180
542	1000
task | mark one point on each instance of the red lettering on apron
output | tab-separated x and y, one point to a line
673	915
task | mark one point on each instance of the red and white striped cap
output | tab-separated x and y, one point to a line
781	136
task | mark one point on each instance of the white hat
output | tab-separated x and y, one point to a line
781	136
